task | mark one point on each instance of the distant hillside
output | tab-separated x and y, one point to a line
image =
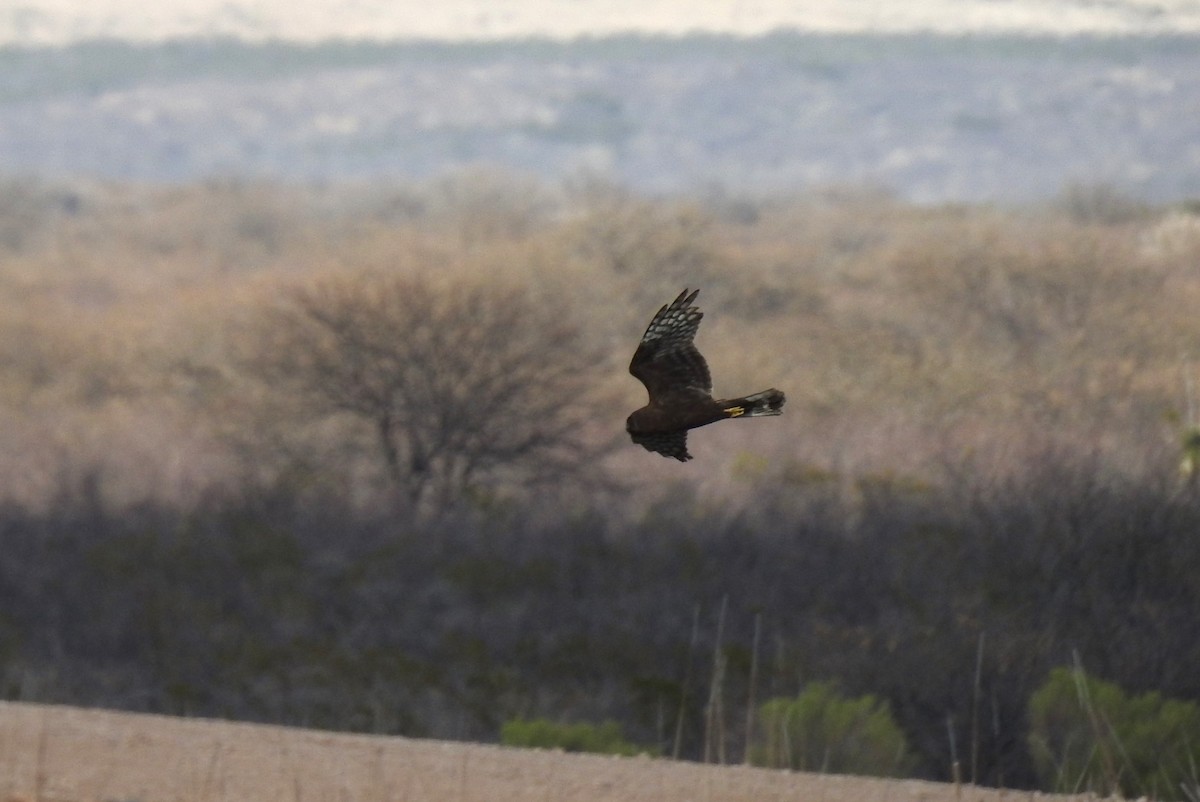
65	21
929	118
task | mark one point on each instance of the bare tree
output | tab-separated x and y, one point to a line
465	385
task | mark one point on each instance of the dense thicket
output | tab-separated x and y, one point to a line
220	493
263	609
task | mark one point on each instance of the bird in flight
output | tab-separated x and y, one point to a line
677	379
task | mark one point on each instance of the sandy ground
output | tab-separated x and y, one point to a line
73	755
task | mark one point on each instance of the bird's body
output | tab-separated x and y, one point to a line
680	387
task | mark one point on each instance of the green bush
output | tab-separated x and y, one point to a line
580	737
820	730
1086	734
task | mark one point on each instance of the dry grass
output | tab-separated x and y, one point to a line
121	320
74	755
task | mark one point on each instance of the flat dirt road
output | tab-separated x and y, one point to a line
67	754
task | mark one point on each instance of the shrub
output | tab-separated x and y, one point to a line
541	733
1085	733
459	384
820	730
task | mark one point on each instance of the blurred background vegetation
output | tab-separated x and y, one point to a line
353	457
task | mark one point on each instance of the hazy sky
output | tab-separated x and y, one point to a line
59	21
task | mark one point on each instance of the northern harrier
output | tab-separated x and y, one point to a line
676	376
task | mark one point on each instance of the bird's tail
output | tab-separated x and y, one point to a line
768	402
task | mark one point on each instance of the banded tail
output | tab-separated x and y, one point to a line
768	402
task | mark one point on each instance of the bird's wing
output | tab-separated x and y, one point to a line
670	444
666	360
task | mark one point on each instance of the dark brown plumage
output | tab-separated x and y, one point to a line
677	379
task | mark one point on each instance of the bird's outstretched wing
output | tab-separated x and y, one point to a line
666	361
670	444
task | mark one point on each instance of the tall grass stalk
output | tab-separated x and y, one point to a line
714	719
975	692
685	685
955	766
1100	729
750	694
1191	786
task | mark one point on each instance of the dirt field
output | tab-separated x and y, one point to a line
74	755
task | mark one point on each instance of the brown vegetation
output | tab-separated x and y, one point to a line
463	386
128	314
207	424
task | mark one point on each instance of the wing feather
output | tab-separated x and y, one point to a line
666	360
669	444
